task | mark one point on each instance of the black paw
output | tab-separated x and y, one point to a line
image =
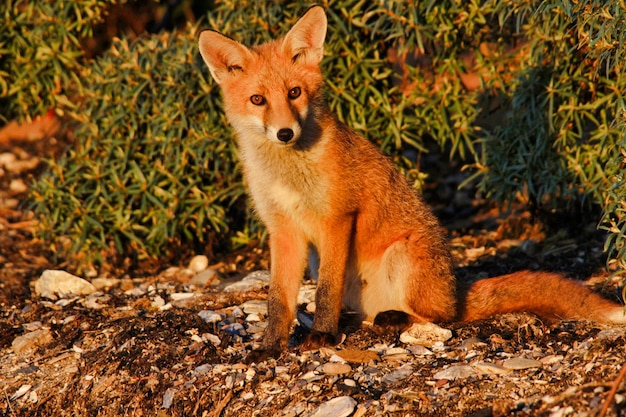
392	319
261	355
316	340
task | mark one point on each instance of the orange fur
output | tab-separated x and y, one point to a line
317	184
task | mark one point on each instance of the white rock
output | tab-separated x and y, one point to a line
253	281
337	407
21	391
253	318
178	296
168	398
455	372
31	341
212	338
210	316
204	278
426	334
521	363
490	368
7	158
255	307
335	368
306	293
17	186
105	283
198	263
399	374
53	283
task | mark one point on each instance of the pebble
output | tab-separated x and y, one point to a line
398	375
456	372
426	334
253	281
53	283
105	283
255	307
551	359
210	316
337	407
490	368
30	341
253	318
20	392
521	363
17	186
168	398
178	296
204	278
396	354
306	293
335	368
198	263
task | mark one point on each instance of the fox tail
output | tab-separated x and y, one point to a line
548	295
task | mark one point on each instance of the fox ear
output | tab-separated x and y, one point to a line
221	54
305	41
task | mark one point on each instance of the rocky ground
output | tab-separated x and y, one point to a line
173	342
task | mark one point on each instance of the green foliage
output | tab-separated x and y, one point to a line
524	91
155	167
41	55
614	216
560	130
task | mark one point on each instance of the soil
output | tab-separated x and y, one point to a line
120	352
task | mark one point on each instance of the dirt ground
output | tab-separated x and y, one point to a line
138	347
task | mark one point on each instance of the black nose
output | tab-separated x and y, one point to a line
285	135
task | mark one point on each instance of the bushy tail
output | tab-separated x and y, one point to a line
548	295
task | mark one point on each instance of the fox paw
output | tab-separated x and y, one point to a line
261	355
392	319
315	340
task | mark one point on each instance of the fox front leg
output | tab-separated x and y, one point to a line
333	250
288	254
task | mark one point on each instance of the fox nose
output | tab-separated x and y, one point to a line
285	135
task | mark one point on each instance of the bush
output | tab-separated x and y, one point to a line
523	92
41	54
560	130
614	216
154	167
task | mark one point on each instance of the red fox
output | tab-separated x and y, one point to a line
321	188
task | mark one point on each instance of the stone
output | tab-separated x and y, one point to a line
56	283
426	334
337	407
521	363
335	368
198	263
204	278
255	307
103	284
490	368
253	281
30	341
455	372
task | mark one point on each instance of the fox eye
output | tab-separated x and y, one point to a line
295	92
257	100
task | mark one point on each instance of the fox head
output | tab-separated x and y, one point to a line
271	90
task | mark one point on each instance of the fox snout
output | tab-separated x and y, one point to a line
285	135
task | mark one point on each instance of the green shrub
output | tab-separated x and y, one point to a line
560	131
525	92
41	55
154	167
614	216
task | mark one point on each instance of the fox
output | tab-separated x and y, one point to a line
332	201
